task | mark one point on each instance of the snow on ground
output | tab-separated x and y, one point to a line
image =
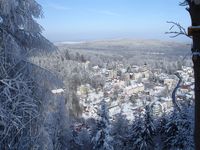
57	91
114	111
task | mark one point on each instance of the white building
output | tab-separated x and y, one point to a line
134	89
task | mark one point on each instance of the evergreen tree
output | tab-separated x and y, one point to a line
103	139
120	132
143	131
74	142
67	55
84	138
179	131
20	106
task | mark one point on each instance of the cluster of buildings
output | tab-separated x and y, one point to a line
128	90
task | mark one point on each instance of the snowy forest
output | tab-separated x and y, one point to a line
77	97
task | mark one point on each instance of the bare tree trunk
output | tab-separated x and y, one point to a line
194	11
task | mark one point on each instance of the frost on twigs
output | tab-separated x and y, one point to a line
23	96
180	30
18	110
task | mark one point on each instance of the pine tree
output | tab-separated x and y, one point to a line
120	132
143	131
179	131
103	139
20	107
84	138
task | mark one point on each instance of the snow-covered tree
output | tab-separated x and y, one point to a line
143	131
149	127
84	139
120	132
103	140
21	111
178	132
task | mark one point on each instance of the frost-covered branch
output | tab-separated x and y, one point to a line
180	30
24	93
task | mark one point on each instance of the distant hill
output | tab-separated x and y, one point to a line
151	50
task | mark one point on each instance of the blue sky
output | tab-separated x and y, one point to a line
80	20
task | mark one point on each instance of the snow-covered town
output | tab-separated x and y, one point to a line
129	90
